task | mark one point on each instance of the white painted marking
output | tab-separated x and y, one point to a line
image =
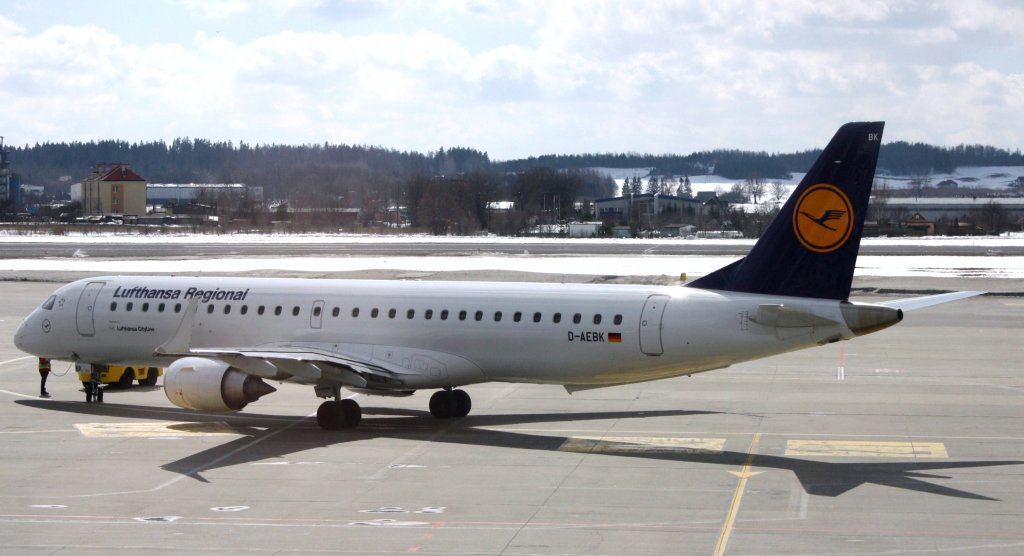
230	508
391	523
742	474
865	449
48	506
287	463
154	430
15	360
642	444
158	519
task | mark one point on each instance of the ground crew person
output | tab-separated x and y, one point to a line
44	371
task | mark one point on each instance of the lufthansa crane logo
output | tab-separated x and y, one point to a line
823	218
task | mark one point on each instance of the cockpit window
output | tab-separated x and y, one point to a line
48	304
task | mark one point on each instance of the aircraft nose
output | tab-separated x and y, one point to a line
19	335
25	338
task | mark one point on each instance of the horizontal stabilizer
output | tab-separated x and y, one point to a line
915	303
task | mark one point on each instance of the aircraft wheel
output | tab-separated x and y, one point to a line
338	414
351	413
463	403
126	379
151	376
328	415
99	395
88	392
442	404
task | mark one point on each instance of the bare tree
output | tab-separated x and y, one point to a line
778	191
754	187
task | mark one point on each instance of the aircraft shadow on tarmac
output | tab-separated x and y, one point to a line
819	478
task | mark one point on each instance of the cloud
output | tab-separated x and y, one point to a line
528	77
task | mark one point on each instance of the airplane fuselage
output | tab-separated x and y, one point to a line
432	334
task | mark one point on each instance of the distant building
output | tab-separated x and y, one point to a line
160	194
647	207
584	229
951	208
113	189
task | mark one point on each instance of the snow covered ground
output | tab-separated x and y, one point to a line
1009	267
1008	239
904	266
966	177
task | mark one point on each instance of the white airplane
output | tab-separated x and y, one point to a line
221	339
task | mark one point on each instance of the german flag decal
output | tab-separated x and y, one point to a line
615	337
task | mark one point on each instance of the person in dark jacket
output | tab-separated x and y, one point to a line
44	371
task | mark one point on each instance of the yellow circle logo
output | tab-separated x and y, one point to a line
823	218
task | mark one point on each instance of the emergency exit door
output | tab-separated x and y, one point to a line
650	324
316	316
87	308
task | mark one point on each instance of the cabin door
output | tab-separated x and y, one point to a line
650	324
87	308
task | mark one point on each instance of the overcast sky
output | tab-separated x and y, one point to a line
515	78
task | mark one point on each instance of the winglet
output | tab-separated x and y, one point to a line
810	248
181	342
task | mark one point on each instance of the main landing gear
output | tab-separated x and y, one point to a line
345	414
339	414
448	404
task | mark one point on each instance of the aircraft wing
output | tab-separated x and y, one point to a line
914	303
307	365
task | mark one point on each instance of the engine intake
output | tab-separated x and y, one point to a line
211	385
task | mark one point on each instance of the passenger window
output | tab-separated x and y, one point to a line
536	317
160	308
209	309
355	312
145	307
557	318
618	319
391	313
244	309
576	318
462	315
428	314
295	311
227	309
410	313
277	311
518	316
113	306
444	314
479	315
597	319
128	306
260	310
336	312
497	316
316	311
374	313
177	307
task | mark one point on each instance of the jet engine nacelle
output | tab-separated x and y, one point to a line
211	385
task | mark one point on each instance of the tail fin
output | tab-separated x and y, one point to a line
810	248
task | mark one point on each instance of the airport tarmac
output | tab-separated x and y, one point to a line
907	441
